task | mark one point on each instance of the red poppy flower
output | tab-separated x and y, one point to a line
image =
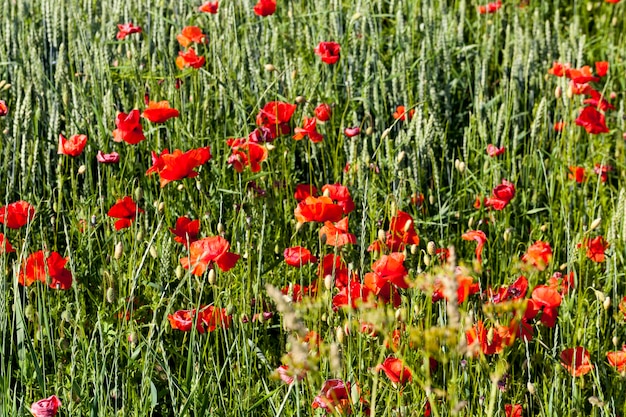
577	174
5	245
494	151
602	171
592	120
489	342
382	288
186	230
46	408
618	359
209	7
501	196
391	268
395	371
318	209
265	8
334	266
515	291
128	128
401	232
308	129
72	147
125	209
337	234
298	256
126	29
334	396
188	59
246	154
303	191
108	158
203	252
513	410
275	116
16	215
37	267
538	255
159	112
544	299
323	112
4	110
209	319
353	295
465	287
490	7
178	165
558	69
559	126
190	34
401	113
341	195
577	361
612	1
328	51
297	291
352	131
595	248
480	238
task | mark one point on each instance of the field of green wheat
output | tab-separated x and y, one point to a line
309	208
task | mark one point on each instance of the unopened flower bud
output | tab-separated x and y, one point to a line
607	303
431	199
153	252
414	249
369	131
339	334
119	250
82	169
558	91
328	282
270	147
212	279
161	206
138	193
111	295
615	340
300	100
139	236
270	67
431	248
220	228
461	167
179	272
507	235
594	224
180	187
382	235
531	388
385	133
426	260
400	157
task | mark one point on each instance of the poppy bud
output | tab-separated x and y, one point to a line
461	167
531	388
29	312
270	68
119	249
198	186
431	248
93	220
426	260
180	187
431	200
399	315
300	100
2	83
595	223
382	235
607	303
66	316
220	228
328	282
153	252
400	156
6	87
558	91
414	249
385	133
392	207
138	193
132	338
269	147
294	74
369	131
543	227
178	272
111	295
570	93
507	235
615	341
212	279
139	236
161	206
339	334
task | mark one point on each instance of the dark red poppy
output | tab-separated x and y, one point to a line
275	116
494	151
16	215
128	128
489	8
38	267
318	209
539	255
323	112
48	407
209	7
352	131
5	245
402	114
189	59
308	129
159	112
337	234
4	110
189	35
395	371
125	209
204	252
332	265
265	8
577	174
186	230
178	165
501	196
303	191
334	396
298	256
108	158
126	29
328	51
72	147
577	361
592	120
516	291
480	238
